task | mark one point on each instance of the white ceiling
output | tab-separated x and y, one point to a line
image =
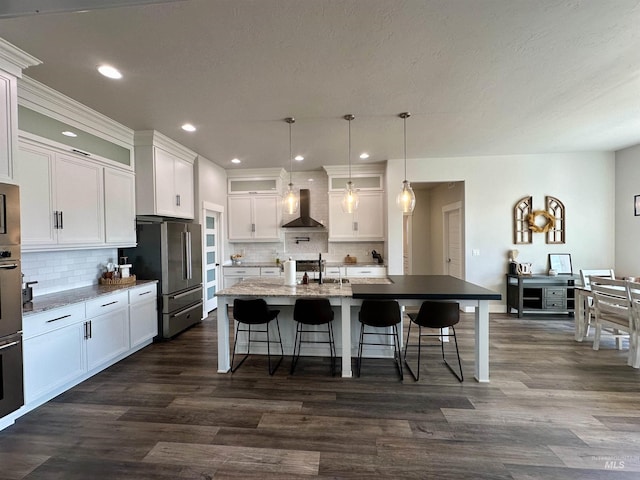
479	76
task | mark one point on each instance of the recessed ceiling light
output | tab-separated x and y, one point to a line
364	155
309	179
67	133
187	127
235	160
298	158
109	71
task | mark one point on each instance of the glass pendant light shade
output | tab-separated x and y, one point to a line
406	199
350	197
291	200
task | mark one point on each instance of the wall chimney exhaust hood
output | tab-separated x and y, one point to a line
304	220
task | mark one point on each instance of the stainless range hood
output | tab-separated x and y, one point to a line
304	220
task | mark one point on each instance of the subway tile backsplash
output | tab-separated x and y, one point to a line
59	271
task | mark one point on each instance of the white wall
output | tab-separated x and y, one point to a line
627	224
584	182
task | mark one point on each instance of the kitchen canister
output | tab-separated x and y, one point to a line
290	272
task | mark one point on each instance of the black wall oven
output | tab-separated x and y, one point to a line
11	381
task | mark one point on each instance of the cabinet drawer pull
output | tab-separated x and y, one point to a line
110	303
144	293
177	200
61	225
9	266
59	318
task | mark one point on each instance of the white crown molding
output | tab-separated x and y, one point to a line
47	101
153	138
13	60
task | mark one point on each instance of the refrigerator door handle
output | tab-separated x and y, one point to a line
189	257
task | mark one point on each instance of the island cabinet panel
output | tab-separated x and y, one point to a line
531	294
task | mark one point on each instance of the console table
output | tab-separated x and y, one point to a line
541	294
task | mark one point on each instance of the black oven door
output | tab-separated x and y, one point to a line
10	297
11	387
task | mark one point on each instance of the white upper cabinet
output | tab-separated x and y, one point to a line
119	207
61	199
68	201
164	176
254	218
367	222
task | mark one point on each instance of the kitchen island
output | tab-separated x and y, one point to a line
407	289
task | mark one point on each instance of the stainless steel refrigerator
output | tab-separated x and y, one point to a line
171	252
11	381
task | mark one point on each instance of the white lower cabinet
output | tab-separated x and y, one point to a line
54	351
64	346
108	332
143	316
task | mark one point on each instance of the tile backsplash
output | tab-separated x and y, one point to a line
59	271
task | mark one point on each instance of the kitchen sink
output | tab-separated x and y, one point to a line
330	280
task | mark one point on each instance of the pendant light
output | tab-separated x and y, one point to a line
406	199
350	198
291	200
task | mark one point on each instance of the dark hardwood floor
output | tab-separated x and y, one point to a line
555	409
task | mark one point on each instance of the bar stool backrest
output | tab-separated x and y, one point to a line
438	314
313	311
380	313
253	311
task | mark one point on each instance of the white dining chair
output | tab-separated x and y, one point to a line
613	312
634	296
585	276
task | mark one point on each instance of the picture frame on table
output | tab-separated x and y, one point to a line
561	263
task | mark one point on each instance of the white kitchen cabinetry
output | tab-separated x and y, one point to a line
64	346
61	199
233	275
164	176
254	218
366	272
54	351
143	317
365	224
107	328
119	207
12	62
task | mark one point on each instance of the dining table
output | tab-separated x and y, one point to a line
408	290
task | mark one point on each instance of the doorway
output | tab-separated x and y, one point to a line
436	230
211	258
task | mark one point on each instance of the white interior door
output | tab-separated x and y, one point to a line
211	259
452	218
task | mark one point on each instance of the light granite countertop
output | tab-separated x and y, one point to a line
75	295
275	287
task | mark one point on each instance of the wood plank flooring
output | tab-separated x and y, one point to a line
555	409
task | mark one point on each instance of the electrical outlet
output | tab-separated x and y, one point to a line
367	253
475	252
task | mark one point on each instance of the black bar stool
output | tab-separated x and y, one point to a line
311	312
380	314
252	313
434	315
